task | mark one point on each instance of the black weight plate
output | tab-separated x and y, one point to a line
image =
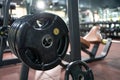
12	32
20	21
30	44
54	22
11	35
78	70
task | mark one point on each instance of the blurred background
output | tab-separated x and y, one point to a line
89	10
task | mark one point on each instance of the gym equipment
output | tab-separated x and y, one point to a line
78	70
108	29
93	37
24	72
35	50
75	68
19	40
12	5
39	40
4	35
10	20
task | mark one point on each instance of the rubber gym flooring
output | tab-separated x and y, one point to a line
107	69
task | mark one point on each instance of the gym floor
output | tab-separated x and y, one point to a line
107	69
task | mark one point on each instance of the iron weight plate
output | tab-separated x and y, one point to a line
54	30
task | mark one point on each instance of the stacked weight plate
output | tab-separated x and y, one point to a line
39	40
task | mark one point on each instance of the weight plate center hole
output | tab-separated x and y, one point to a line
47	41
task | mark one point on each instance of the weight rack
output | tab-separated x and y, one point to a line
6	6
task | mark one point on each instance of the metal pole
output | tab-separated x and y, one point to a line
6	5
74	30
24	72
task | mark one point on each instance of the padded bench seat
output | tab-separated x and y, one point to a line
93	36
